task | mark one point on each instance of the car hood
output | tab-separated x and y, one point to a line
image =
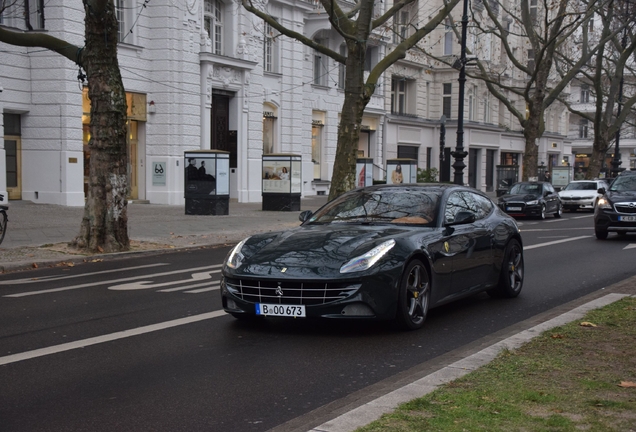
316	251
621	196
519	197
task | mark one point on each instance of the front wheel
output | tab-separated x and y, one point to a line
3	226
600	234
414	296
542	214
512	272
559	211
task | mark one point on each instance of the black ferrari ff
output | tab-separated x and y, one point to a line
386	252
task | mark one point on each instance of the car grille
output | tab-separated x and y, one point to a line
626	207
290	292
520	204
570	199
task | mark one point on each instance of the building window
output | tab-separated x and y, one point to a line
583	128
446	100
531	61
34	15
398	96
370	58
533	10
270	49
471	104
213	23
408	152
585	93
316	149
486	109
23	14
429	157
321	73
120	10
448	39
400	26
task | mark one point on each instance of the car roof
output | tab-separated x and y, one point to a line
630	172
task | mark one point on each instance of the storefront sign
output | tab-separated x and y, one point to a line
159	173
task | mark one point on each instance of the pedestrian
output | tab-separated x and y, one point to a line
580	175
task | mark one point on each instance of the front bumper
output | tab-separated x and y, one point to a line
372	297
526	210
578	203
608	220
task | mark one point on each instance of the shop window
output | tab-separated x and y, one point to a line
448	38
408	152
316	148
585	93
321	71
23	14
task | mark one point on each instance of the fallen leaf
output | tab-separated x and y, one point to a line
557	336
627	384
587	324
99	248
35	265
97	260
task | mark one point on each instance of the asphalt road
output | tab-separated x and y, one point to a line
140	344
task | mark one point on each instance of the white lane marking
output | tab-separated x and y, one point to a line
554	242
108	338
630	246
52	278
144	284
92	284
556	229
204	284
212	288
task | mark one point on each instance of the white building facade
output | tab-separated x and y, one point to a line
205	74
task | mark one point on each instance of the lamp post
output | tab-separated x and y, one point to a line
442	143
459	154
616	160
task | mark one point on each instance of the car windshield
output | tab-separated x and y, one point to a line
582	186
624	183
525	188
399	206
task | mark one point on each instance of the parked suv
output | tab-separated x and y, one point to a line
616	209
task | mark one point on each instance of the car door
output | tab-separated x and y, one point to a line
551	198
469	244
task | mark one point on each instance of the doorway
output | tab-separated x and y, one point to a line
12	147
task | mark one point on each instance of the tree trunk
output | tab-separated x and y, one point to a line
105	221
531	132
599	150
356	99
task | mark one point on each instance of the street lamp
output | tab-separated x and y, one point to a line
442	142
616	160
459	154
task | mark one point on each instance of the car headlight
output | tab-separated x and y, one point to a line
366	261
533	202
604	203
235	258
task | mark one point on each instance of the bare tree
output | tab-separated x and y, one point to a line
613	99
105	223
530	32
355	26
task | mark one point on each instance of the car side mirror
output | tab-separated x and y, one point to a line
304	216
601	190
463	217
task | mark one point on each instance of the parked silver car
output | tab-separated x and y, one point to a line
582	194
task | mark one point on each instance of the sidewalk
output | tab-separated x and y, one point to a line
38	233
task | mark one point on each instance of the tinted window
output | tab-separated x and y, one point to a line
484	205
409	206
459	201
526	188
624	183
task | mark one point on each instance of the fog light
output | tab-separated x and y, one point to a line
231	304
357	309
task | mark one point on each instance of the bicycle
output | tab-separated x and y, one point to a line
3	219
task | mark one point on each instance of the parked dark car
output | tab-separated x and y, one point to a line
386	252
531	199
616	209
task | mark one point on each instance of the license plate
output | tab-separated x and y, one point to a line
627	218
280	310
513	208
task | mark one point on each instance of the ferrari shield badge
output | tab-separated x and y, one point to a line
446	247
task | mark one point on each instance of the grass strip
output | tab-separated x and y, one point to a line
577	377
